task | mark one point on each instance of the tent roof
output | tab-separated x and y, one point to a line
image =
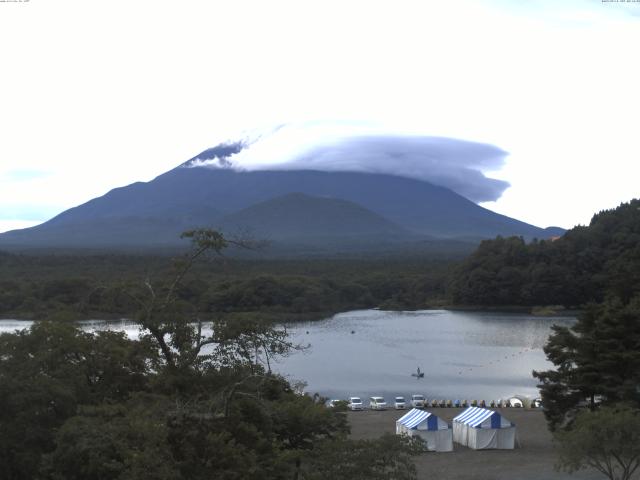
475	416
422	420
413	418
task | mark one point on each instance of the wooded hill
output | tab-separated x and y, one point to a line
584	265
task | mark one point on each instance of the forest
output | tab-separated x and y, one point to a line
92	286
583	266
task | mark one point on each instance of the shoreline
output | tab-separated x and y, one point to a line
289	317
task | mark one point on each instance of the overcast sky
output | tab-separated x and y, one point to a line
536	102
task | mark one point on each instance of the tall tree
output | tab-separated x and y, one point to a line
191	399
596	359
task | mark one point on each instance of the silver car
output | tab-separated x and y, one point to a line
418	401
400	403
377	403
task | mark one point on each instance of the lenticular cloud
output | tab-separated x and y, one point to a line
455	164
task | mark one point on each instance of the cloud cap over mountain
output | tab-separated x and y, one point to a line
452	163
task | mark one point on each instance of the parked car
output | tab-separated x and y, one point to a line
355	403
400	403
417	401
377	403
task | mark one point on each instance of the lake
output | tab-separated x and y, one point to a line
464	355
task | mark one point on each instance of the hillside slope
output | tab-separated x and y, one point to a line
296	215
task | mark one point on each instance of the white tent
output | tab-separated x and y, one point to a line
435	432
479	428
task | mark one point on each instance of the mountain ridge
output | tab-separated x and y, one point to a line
155	212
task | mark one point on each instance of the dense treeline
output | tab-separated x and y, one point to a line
84	286
583	266
580	267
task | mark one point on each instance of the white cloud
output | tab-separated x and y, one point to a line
363	147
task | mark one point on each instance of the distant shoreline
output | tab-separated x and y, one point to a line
288	317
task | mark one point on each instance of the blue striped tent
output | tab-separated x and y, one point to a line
481	428
435	432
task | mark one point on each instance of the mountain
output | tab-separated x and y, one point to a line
154	213
300	216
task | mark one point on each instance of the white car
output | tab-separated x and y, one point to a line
355	403
377	403
400	403
418	401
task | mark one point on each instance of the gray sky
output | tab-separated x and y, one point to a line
99	94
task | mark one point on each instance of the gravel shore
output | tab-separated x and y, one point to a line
534	459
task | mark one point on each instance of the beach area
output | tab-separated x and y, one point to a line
533	459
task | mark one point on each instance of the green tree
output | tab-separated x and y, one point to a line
598	358
607	439
230	416
46	372
123	441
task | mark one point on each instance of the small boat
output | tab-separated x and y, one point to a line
418	374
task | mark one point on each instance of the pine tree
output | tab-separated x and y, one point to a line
596	359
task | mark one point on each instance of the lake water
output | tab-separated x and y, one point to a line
464	355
